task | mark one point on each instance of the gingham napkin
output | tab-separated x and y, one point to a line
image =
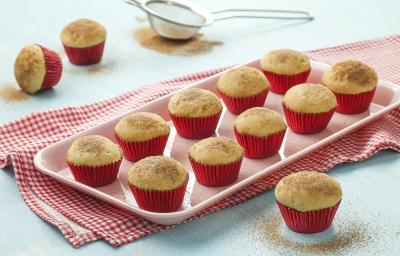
82	218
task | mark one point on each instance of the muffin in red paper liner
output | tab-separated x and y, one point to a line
195	112
243	88
141	134
37	68
216	161
83	41
308	201
353	83
158	183
94	160
285	68
308	108
260	131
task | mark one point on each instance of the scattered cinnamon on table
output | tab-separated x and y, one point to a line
149	39
10	92
350	233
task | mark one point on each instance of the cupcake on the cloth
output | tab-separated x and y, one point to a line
309	107
285	68
353	83
37	68
308	201
243	88
216	161
158	183
83	41
260	131
141	135
195	112
94	160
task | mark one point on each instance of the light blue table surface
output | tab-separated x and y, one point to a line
371	188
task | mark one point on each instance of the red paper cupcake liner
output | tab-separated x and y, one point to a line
216	175
85	56
195	127
95	176
281	83
260	147
159	201
53	68
237	105
310	221
135	151
354	103
307	123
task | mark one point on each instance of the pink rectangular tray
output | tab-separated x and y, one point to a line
51	161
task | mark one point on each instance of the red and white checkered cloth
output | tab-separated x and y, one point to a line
82	218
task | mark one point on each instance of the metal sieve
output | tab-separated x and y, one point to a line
180	19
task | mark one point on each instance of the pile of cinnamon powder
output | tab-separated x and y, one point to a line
10	92
196	45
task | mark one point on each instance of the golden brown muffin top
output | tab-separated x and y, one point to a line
93	150
259	122
194	102
285	62
242	82
159	173
30	68
309	98
308	191
83	33
350	77
216	151
141	126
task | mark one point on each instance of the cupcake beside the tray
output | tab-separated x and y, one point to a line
195	112
353	83
84	41
308	201
37	68
285	68
158	183
260	131
216	161
94	160
142	134
309	107
243	88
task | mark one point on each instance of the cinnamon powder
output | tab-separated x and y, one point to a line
350	234
10	92
196	45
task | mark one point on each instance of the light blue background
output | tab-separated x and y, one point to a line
371	191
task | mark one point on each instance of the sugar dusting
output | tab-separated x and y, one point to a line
196	45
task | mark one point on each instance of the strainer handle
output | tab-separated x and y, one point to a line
262	14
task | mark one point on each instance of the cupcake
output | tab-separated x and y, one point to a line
141	135
353	84
37	68
260	131
195	112
285	68
216	161
308	201
309	107
94	160
243	88
83	41
158	183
